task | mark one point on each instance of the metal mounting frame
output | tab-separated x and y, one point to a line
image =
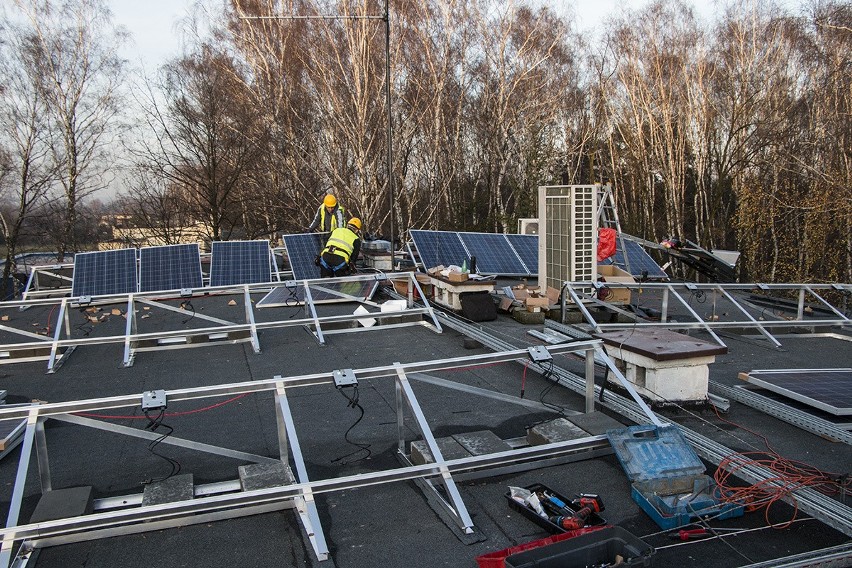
127	515
752	317
55	348
33	288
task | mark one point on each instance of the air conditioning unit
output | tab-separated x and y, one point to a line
568	241
528	226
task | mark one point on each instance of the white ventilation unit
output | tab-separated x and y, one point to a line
568	238
528	226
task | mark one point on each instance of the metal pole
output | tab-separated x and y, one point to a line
389	153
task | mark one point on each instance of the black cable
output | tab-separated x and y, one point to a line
548	375
352	402
292	299
153	425
86	322
187	304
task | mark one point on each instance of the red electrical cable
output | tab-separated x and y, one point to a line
167	414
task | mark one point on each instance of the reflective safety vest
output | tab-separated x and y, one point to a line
342	243
337	216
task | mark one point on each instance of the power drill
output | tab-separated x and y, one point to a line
570	519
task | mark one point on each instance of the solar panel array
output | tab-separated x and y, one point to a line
104	272
439	247
494	254
513	255
827	389
638	261
302	250
171	267
527	248
240	262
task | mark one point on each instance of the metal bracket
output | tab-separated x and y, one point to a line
186	292
154	400
344	378
539	354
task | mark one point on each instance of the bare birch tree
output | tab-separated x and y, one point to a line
73	54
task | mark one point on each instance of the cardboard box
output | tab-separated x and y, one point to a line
401	286
614	274
553	295
520	293
457	276
436	270
541	302
506	305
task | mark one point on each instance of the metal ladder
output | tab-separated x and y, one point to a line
608	219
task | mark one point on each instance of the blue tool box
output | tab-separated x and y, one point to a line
668	479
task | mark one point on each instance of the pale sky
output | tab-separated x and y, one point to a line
155	24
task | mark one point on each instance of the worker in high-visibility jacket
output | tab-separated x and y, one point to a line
341	251
330	216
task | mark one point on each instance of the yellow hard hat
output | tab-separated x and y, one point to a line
355	222
329	201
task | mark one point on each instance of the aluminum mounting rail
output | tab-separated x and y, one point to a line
803	316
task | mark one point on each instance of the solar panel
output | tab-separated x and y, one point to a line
104	272
439	247
171	267
240	262
526	247
287	296
302	250
494	254
829	390
639	260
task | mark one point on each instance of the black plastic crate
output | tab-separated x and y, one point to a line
594	520
602	546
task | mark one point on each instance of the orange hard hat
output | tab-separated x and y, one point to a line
355	222
329	201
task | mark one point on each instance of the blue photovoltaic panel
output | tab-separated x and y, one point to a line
171	267
302	251
494	254
527	248
104	272
639	260
439	247
829	390
240	262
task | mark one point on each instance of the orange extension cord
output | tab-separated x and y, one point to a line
790	475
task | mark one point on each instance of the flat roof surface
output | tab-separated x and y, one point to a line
390	524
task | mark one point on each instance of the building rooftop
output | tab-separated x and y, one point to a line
371	506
